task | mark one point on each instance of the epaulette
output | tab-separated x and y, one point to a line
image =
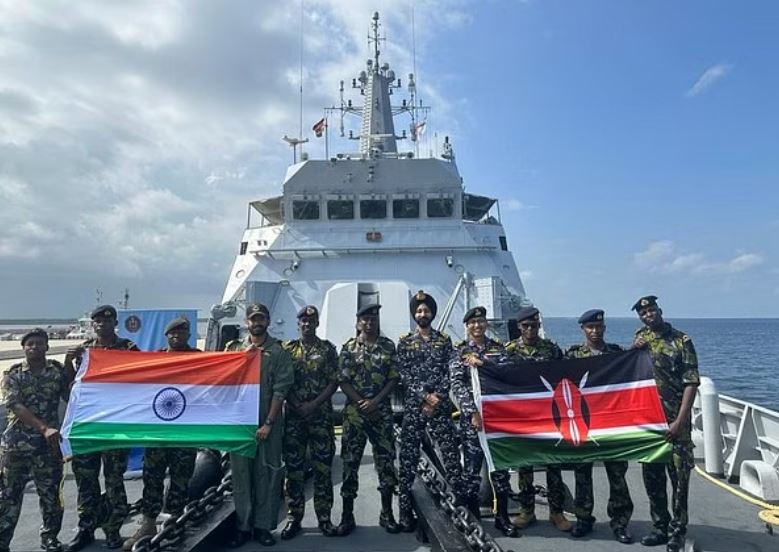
288	344
231	342
405	335
56	363
461	343
577	347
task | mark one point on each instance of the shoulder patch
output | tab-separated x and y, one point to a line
685	337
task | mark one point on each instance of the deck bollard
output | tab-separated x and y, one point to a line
712	434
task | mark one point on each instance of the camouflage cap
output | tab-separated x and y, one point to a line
255	309
592	315
177	323
646	301
104	311
35	332
421	298
308	310
527	313
369	310
475	312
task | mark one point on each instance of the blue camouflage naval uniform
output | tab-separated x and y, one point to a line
675	367
23	449
368	368
473	456
620	506
424	368
93	509
543	349
316	367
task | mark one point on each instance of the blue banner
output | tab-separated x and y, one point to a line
146	327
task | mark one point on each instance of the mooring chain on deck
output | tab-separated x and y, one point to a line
462	519
173	529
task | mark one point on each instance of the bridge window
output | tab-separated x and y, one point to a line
305	209
405	208
373	208
340	209
440	207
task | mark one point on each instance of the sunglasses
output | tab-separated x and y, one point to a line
528	325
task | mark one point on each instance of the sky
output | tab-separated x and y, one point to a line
634	146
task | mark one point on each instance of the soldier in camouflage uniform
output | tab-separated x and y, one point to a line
156	461
530	346
620	506
309	423
367	374
676	374
477	350
95	510
423	362
32	390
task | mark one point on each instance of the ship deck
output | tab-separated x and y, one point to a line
719	521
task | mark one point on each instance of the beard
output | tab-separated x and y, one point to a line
258	330
424	322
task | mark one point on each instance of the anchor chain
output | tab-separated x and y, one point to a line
173	529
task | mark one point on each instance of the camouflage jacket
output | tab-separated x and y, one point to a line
583	351
316	367
368	368
40	393
119	344
424	365
276	372
675	365
460	372
544	349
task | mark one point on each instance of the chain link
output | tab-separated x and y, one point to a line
173	530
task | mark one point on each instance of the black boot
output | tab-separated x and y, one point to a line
347	524
83	538
473	505
655	538
326	527
386	519
675	543
502	522
50	544
291	529
407	521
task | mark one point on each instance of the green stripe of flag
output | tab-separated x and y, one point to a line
86	437
517	451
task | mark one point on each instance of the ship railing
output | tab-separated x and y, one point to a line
737	440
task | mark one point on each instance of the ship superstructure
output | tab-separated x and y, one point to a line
375	226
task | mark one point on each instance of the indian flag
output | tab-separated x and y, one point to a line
604	407
122	399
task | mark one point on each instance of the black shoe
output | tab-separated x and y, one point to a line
327	528
51	544
291	529
407	521
83	538
504	525
621	535
239	539
264	537
347	525
654	539
387	520
113	540
675	543
581	529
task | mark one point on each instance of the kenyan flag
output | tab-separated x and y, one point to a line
604	407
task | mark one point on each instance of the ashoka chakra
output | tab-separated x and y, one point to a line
169	404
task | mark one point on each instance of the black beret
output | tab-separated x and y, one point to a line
104	311
527	312
256	308
420	298
176	323
592	315
39	332
308	310
475	312
369	310
646	301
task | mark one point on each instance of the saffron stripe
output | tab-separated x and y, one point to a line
109	366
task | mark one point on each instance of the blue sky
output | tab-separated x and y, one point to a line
634	145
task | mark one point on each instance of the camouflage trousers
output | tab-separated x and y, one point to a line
95	510
620	506
357	429
655	483
443	432
15	470
317	435
156	461
473	458
554	487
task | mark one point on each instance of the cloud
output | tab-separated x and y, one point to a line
513	204
526	275
664	257
132	135
709	77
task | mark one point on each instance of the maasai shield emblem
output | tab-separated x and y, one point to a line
570	412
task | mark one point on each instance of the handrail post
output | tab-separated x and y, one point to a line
712	433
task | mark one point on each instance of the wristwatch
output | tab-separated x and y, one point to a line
268	423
